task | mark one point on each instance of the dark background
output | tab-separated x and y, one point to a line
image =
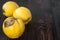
45	24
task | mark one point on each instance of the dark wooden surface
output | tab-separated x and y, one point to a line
45	24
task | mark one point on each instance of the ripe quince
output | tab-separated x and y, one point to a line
13	28
23	13
9	7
